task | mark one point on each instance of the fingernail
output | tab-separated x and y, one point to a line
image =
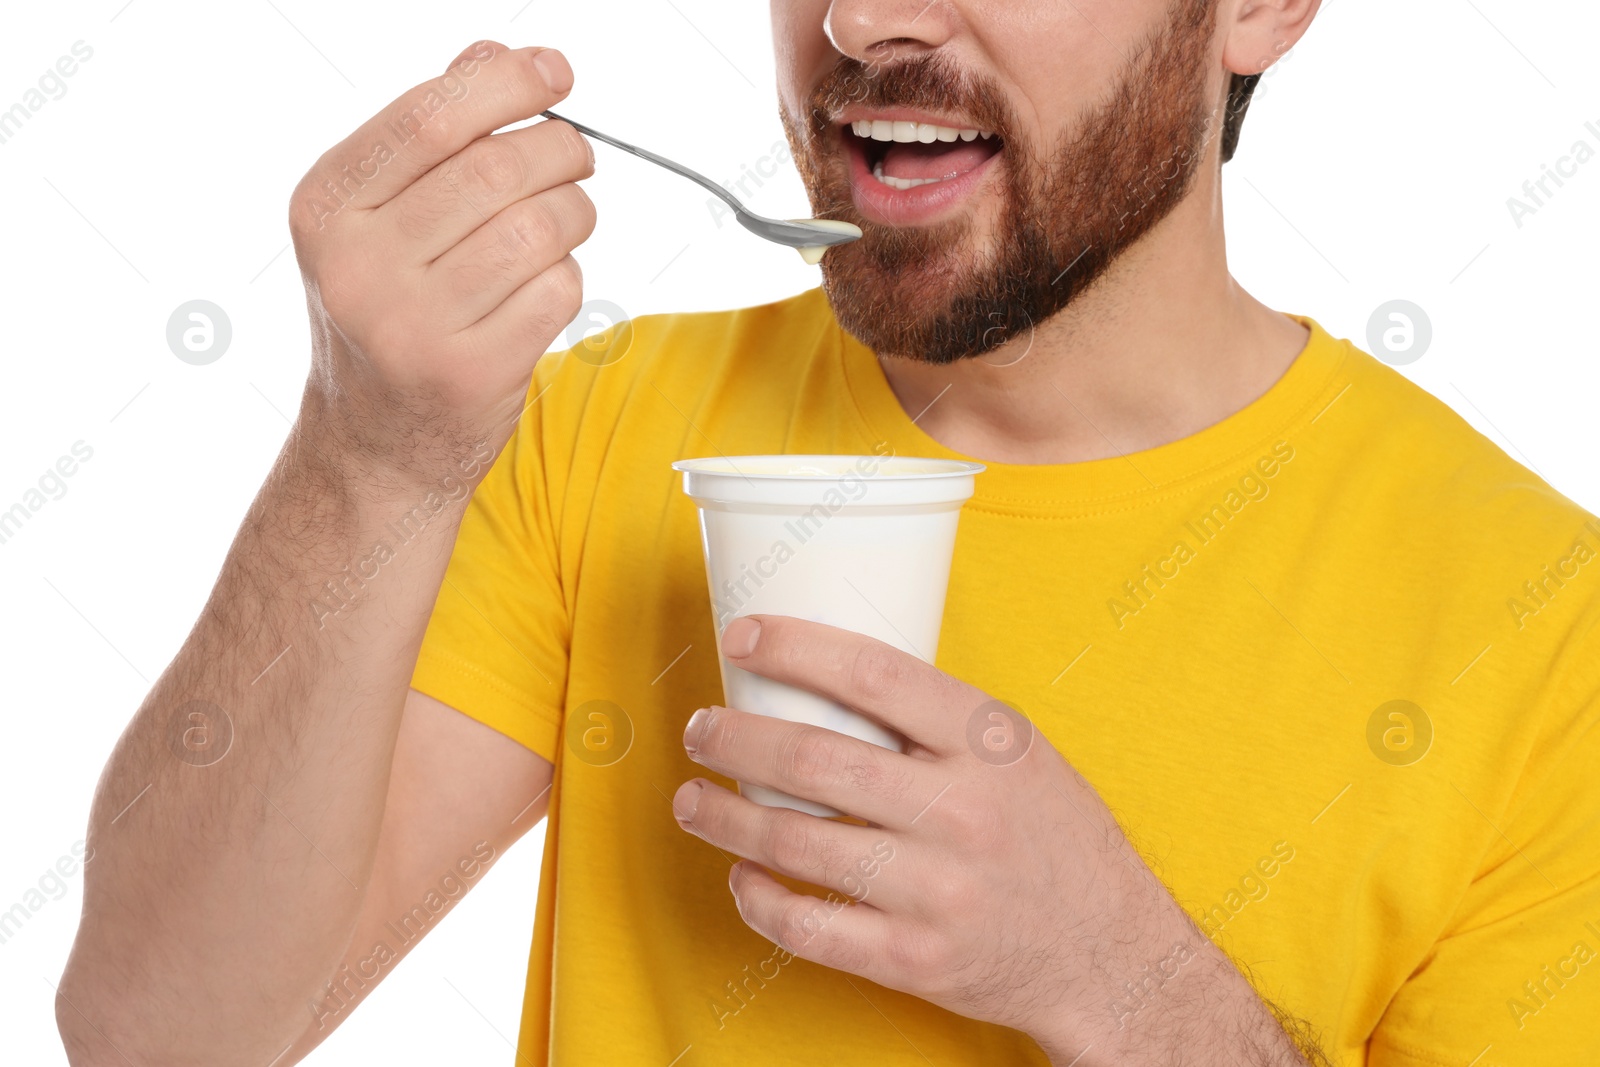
692	732
687	800
557	72
739	639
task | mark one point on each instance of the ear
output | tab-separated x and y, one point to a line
1261	31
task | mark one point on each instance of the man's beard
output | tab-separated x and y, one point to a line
926	292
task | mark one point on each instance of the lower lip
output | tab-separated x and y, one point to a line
917	206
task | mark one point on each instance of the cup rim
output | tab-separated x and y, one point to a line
726	466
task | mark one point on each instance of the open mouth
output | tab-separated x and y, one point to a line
908	170
904	155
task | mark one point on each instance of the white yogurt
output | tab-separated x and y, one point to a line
812	254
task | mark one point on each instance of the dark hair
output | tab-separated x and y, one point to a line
1239	90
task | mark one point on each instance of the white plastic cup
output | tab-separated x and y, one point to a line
858	542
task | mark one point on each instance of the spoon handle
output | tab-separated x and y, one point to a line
662	161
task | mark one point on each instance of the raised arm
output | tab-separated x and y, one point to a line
257	813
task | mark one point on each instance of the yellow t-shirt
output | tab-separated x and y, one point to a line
1214	632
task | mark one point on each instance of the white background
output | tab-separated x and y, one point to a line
1376	164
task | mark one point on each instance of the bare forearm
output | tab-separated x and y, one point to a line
1179	999
235	824
1206	1015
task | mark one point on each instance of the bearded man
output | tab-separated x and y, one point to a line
1303	784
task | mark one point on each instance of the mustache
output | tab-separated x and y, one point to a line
930	82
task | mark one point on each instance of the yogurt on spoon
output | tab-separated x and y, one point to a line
812	254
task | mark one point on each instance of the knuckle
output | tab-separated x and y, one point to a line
797	924
878	778
490	170
950	894
810	757
535	228
789	841
967	824
876	672
432	127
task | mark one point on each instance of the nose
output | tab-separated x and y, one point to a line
882	30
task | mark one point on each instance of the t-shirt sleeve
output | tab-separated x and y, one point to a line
1515	978
497	643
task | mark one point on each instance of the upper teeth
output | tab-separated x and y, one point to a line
926	132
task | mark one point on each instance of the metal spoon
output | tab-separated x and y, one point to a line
811	236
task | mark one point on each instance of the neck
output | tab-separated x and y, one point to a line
1161	346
